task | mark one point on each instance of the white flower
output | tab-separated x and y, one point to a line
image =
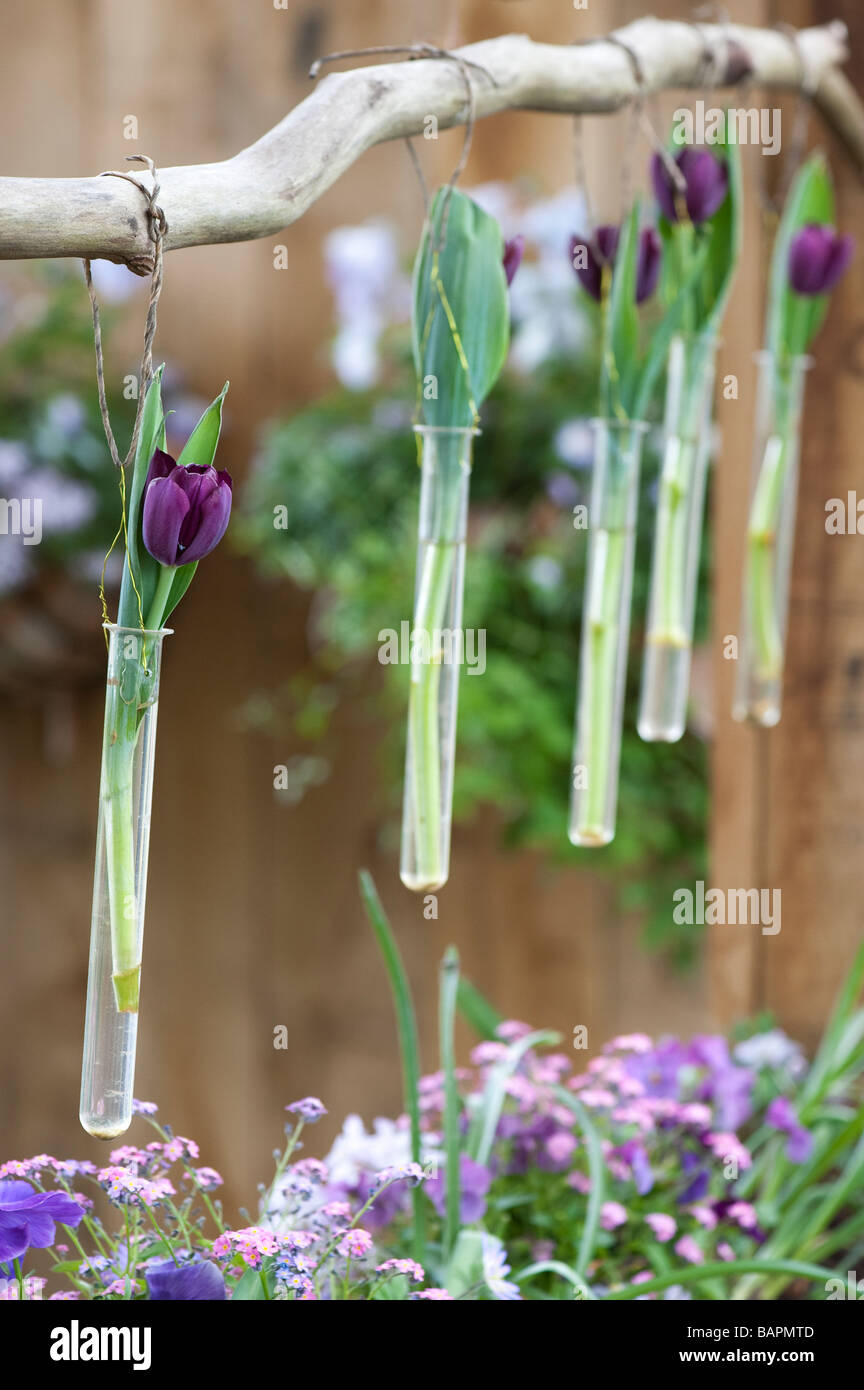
772	1049
550	223
16	564
66	503
13	460
356	1152
355	356
545	572
362	265
574	443
498	200
495	1267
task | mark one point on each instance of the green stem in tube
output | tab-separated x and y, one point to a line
761	555
437	568
126	702
606	581
678	479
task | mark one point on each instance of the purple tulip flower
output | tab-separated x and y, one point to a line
706	183
27	1218
600	251
514	249
818	257
186	510
198	1280
781	1115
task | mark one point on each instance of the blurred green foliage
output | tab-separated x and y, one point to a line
50	426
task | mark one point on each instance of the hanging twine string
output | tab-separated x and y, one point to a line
157	227
417	51
580	173
809	82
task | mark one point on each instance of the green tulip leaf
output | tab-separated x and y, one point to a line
461	316
621	351
140	570
200	447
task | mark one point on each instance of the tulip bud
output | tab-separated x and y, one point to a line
513	252
185	510
600	251
818	257
705	182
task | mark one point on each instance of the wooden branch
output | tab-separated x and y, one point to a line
266	187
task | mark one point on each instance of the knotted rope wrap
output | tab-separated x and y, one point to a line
157	227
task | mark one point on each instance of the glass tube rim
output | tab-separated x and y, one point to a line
447	429
804	360
138	631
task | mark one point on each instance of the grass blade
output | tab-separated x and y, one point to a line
448	987
406	1024
476	1010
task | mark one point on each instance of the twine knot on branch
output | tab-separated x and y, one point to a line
157	227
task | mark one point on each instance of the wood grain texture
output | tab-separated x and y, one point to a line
789	802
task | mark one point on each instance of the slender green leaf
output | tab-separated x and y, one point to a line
824	1061
140	570
557	1267
406	1024
448	985
697	1274
623	317
200	447
475	1008
597	1174
481	1135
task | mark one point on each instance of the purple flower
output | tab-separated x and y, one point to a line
474	1182
728	1086
27	1218
310	1109
612	1215
706	183
514	250
699	1179
662	1224
781	1115
818	256
636	1156
658	1069
144	1107
196	1281
186	510
600	251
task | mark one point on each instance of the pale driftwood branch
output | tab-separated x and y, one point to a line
266	187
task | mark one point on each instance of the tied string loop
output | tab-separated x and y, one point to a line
157	227
808	84
417	51
464	65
